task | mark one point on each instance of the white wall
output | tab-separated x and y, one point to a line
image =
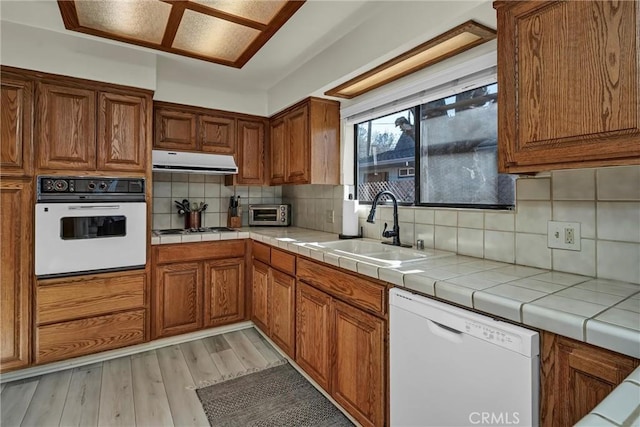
395	28
196	83
42	50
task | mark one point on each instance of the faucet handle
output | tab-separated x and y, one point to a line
388	233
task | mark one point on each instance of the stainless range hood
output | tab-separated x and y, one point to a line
187	162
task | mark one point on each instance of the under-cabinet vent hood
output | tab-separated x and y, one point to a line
186	162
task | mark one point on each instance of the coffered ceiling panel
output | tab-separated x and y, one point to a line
227	32
259	11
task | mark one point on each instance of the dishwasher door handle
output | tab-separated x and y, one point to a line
445	332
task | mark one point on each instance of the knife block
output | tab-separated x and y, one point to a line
233	221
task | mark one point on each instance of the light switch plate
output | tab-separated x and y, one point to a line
563	235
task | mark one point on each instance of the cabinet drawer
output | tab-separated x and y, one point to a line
262	252
283	261
66	299
183	252
79	337
355	290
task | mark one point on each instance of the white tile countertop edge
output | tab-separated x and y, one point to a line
493	287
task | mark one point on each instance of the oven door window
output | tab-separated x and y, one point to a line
92	227
265	215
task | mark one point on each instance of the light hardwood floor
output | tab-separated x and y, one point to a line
154	388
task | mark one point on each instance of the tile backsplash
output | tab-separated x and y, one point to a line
605	201
210	189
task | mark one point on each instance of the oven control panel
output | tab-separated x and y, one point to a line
58	188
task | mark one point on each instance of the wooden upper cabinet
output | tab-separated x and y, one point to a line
305	144
16	105
568	83
250	149
250	156
575	377
66	123
277	152
174	130
122	132
85	126
297	139
224	291
16	268
187	128
217	134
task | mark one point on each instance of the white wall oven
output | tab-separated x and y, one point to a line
89	224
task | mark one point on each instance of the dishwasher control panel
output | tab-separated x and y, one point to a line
493	334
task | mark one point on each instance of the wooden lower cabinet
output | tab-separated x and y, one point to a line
64	340
178	298
358	368
343	349
273	296
575	377
259	295
197	285
76	316
223	291
16	268
313	311
282	296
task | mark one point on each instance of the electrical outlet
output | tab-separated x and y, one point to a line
329	216
563	235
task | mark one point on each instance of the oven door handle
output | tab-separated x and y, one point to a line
71	208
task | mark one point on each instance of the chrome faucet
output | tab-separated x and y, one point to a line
395	232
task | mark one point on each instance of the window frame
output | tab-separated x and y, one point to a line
435	94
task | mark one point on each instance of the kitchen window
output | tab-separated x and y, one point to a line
442	152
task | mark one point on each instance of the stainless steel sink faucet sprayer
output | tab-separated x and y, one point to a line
395	232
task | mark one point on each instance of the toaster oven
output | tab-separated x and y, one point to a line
275	215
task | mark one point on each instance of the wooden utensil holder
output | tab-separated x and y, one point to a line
234	221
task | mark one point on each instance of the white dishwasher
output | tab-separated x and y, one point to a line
453	367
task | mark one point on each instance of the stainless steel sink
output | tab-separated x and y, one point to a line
376	252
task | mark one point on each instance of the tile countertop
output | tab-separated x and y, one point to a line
604	313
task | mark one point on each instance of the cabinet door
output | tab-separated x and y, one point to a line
277	152
16	268
174	130
282	296
359	363
568	84
250	152
313	332
122	132
260	295
178	298
217	134
223	291
297	149
576	377
66	123
16	103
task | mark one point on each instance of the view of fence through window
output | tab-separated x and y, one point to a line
386	156
457	149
